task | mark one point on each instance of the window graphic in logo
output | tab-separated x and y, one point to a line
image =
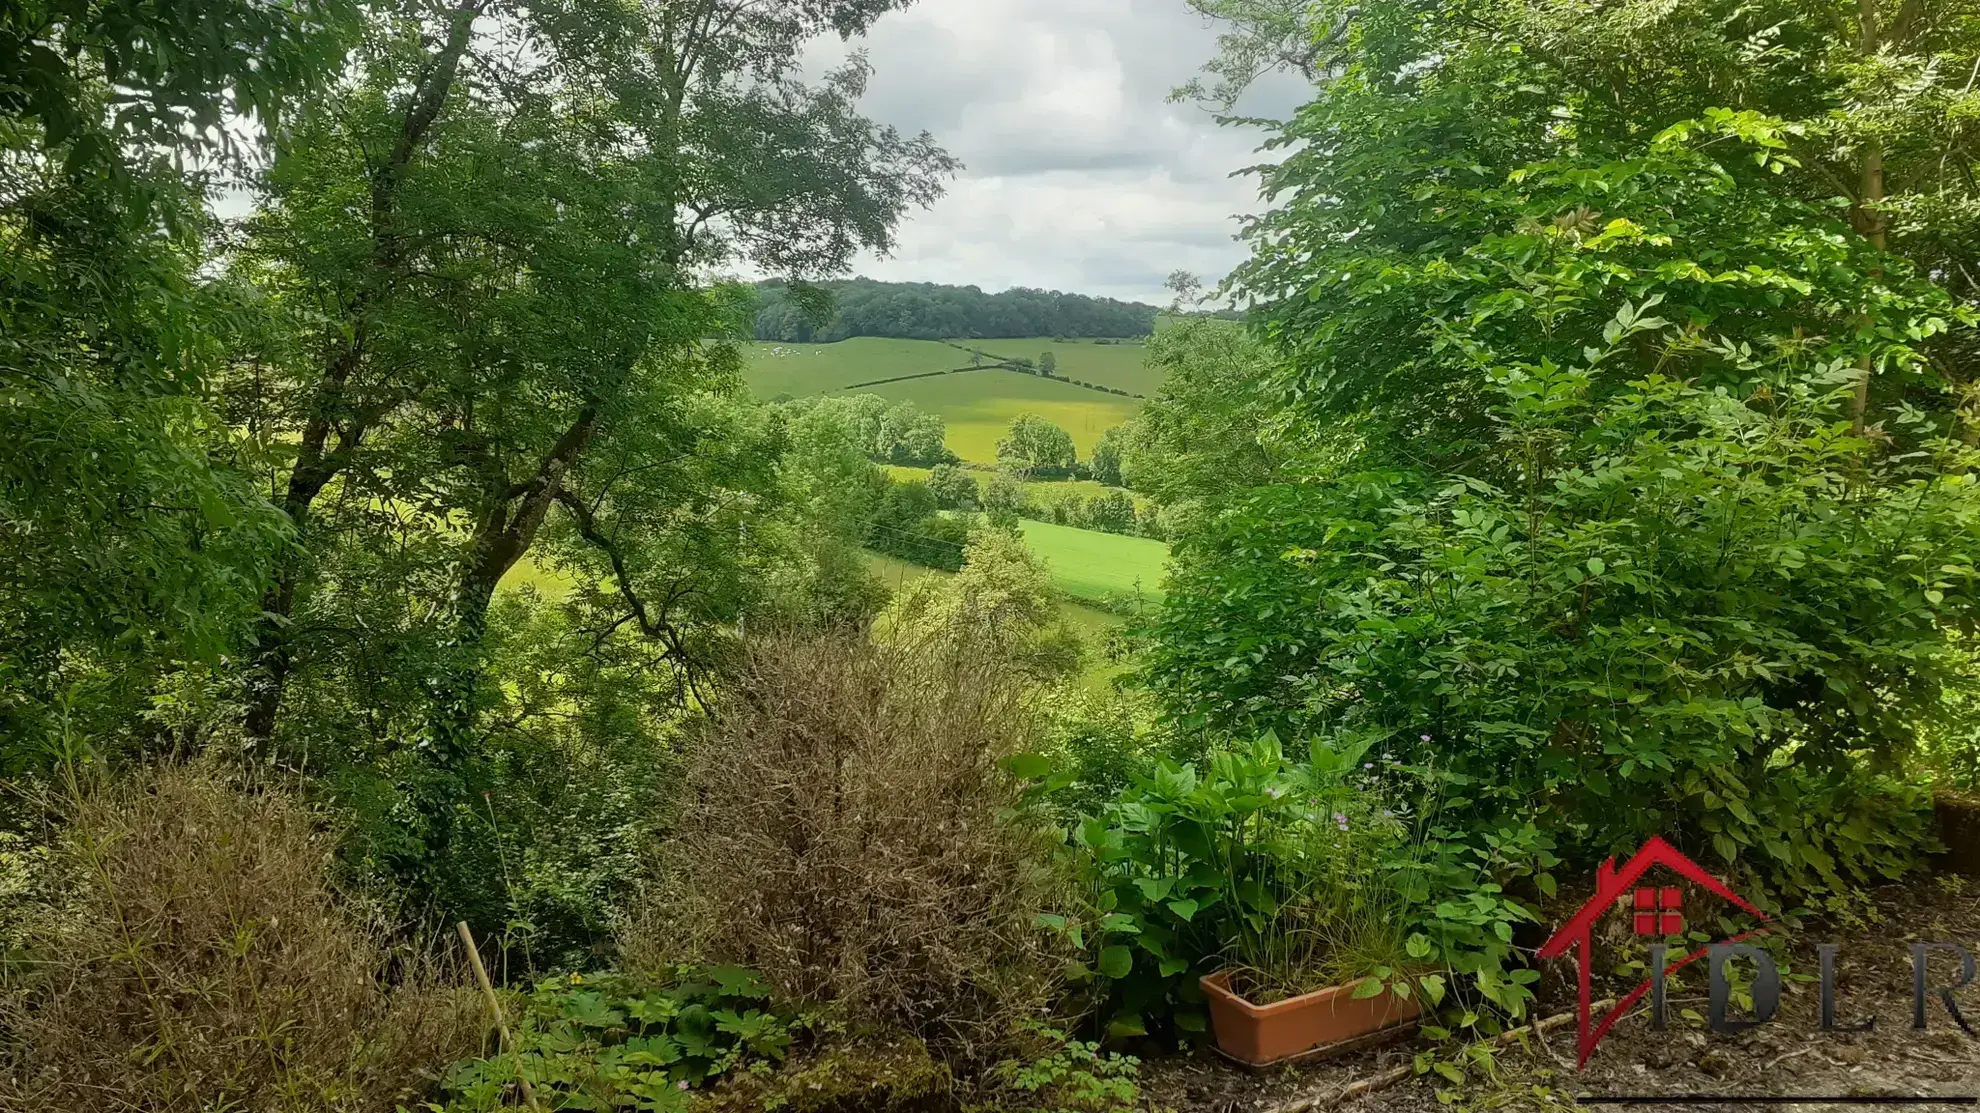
1653	911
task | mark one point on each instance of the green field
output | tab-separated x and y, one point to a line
1115	365
977	405
775	369
1089	564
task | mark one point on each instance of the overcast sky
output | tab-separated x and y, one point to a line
1079	176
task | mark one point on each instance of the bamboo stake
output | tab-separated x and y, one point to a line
1311	1101
495	1007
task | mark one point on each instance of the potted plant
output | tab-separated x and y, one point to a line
1319	966
1325	1022
1276	878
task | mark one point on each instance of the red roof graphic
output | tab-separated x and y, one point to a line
1611	883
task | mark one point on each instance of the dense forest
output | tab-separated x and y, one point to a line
429	680
832	311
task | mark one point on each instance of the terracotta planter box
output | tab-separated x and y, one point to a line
1311	1026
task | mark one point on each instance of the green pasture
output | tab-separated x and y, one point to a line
1115	365
772	369
1088	564
977	405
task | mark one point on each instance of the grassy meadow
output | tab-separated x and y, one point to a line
1115	365
1088	564
977	405
773	369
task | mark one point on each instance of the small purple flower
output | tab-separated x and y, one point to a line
1368	765
1425	737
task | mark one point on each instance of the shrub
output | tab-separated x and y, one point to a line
203	962
1703	613
847	837
846	1076
1112	512
954	488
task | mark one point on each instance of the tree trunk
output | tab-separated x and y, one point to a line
502	536
1870	218
329	409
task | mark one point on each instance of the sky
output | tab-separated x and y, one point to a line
1078	175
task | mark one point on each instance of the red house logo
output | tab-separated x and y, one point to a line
1653	911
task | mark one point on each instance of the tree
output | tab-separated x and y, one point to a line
134	545
1187	289
1212	429
925	311
1567	373
1112	511
485	246
1264	36
1004	492
1106	462
1623	79
1002	600
1048	364
955	489
908	526
1035	447
507	398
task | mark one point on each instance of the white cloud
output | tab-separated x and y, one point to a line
1079	176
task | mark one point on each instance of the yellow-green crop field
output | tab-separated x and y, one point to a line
977	405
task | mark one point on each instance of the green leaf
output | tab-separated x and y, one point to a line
1366	987
1115	961
1028	766
1126	1026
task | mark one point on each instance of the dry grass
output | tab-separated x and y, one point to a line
844	838
202	962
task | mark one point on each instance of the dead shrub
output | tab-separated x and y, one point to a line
843	837
201	961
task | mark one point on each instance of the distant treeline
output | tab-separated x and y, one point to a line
925	311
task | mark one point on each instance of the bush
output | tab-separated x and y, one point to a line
1112	512
954	488
1693	612
908	526
1000	606
847	838
203	962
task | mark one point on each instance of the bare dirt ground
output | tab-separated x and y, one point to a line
1788	1057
